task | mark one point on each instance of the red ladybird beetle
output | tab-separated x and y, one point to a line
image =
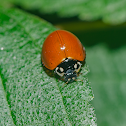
63	52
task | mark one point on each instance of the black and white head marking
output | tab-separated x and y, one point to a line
68	69
77	66
59	71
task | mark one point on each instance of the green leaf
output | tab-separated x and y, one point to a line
29	96
5	114
110	11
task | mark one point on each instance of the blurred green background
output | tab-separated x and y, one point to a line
101	27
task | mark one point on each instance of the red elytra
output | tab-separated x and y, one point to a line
60	45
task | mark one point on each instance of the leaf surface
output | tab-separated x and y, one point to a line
31	97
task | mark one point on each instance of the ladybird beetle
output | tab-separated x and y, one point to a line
63	52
